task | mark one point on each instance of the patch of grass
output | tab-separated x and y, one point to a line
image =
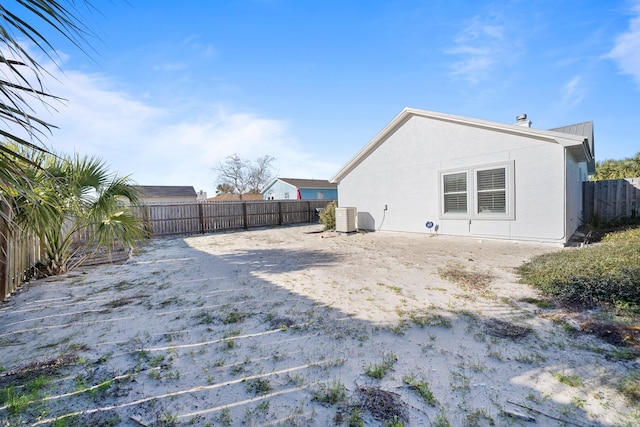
234	316
15	401
378	371
394	422
263	406
540	303
567	379
421	387
630	388
624	353
355	418
475	417
467	280
225	417
441	420
259	386
459	381
530	358
204	318
428	319
331	393
600	274
395	289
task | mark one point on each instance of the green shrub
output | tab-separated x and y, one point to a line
605	273
328	216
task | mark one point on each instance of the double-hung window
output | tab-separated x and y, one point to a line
478	192
455	193
491	187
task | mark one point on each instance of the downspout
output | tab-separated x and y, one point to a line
564	191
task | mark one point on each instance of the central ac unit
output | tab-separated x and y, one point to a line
346	220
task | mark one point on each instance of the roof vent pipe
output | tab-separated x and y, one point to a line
521	120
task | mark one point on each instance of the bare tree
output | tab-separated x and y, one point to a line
240	176
261	174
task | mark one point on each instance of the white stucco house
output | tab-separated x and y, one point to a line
469	177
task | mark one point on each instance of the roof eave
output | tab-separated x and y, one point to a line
407	113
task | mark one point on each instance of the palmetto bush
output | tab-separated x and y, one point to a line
71	195
608	272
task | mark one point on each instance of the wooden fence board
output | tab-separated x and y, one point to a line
611	198
171	219
20	251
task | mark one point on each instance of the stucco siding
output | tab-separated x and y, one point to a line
404	173
574	180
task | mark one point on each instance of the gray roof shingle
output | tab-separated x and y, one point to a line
152	191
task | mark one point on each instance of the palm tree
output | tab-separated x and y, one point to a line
75	196
618	169
21	82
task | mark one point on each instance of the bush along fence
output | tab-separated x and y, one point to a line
610	199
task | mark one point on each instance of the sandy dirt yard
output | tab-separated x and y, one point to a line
292	326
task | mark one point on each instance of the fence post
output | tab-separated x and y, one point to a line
279	213
4	246
244	215
201	215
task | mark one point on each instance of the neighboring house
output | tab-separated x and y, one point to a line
470	177
235	197
201	196
290	188
167	194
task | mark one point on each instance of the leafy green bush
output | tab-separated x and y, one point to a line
328	216
605	273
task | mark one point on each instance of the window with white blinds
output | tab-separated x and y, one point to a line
492	191
455	192
478	192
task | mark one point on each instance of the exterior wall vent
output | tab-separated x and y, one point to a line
346	220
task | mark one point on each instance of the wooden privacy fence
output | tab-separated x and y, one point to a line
170	219
611	198
19	253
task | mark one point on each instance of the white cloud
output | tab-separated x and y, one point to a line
166	145
573	92
626	51
480	46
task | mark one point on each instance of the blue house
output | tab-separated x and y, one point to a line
307	189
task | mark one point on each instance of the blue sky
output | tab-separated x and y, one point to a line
170	88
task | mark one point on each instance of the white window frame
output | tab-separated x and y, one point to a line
442	195
472	193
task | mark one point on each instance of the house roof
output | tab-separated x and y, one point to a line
584	129
576	143
305	183
235	197
153	191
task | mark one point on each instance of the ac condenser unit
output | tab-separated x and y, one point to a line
346	220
